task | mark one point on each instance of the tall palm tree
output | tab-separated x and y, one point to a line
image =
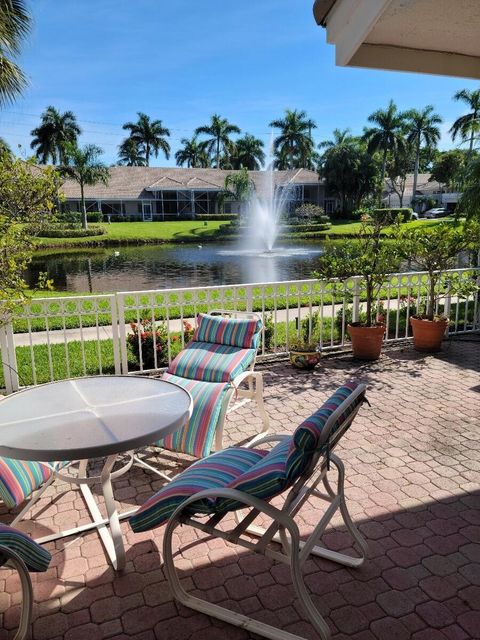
83	166
149	134
248	153
219	131
56	131
422	127
340	136
387	135
15	24
192	154
130	153
469	124
294	146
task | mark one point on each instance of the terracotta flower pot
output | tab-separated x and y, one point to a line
306	360
428	334
366	341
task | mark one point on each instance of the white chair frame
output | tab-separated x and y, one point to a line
16	562
283	529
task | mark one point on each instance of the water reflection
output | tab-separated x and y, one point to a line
159	267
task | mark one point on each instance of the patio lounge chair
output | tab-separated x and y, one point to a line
24	555
22	481
248	478
212	366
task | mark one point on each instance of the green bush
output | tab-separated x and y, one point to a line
70	217
216	216
59	230
391	214
94	216
305	227
309	212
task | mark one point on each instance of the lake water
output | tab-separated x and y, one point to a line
160	267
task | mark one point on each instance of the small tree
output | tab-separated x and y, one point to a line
435	250
238	187
368	256
27	196
84	167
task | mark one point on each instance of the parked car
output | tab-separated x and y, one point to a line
438	212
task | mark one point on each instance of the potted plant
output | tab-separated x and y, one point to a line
305	353
370	258
435	250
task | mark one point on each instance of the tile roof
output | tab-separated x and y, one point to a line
138	182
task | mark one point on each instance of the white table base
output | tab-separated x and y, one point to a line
109	527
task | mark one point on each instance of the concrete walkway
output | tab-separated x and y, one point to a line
105	332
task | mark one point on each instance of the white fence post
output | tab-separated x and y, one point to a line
9	358
249	298
122	333
356	298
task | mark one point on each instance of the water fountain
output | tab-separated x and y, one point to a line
261	226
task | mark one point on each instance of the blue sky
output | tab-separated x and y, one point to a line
182	61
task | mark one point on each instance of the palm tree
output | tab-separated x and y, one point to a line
422	127
387	135
238	187
5	147
150	135
469	124
193	153
15	23
130	153
293	148
340	136
248	153
219	130
55	132
86	169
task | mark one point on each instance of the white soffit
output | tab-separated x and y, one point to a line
426	36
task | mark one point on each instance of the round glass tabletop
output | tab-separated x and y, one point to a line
90	417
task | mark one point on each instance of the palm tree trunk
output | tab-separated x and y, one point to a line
218	153
147	154
415	171
382	183
84	208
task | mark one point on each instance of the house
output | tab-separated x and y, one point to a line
165	193
426	188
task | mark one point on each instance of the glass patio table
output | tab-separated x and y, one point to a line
87	418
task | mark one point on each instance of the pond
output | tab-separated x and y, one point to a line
167	266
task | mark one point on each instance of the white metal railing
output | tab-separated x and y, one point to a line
62	337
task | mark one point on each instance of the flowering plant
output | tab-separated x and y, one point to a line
149	343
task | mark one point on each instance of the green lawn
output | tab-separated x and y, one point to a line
347	227
142	232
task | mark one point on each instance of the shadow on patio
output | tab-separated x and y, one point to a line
412	486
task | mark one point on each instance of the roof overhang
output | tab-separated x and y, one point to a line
423	36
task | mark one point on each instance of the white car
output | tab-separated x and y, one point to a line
438	212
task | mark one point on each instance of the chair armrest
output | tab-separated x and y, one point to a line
274	437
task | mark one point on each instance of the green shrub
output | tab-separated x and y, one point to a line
70	217
59	230
391	214
216	216
94	216
309	212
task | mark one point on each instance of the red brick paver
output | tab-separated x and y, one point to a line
413	487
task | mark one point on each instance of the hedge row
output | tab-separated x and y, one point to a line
68	231
216	216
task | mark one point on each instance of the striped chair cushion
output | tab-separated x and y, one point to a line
235	332
211	362
34	556
216	471
306	438
196	437
19	479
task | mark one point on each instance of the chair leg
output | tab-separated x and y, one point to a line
17	563
238	619
338	502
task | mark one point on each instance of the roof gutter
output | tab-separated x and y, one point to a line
321	9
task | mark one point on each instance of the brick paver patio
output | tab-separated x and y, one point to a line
413	486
